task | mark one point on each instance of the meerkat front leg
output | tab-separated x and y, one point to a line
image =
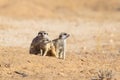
45	53
41	52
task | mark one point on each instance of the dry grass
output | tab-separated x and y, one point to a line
104	75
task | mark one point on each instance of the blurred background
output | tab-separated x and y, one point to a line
61	9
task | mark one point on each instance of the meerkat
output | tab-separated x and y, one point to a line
42	45
48	49
38	42
60	45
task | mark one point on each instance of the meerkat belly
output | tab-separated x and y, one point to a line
61	44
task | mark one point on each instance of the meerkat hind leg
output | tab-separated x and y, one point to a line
61	55
54	52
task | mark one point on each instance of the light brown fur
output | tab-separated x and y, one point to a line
60	45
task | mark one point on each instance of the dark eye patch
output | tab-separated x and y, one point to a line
65	33
46	33
60	36
40	33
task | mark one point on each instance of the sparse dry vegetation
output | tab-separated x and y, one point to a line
104	75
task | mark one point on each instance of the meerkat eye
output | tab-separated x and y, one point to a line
65	33
46	33
60	36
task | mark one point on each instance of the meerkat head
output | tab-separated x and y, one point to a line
43	34
63	35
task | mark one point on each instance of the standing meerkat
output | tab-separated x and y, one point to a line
60	45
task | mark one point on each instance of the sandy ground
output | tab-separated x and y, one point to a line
93	45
